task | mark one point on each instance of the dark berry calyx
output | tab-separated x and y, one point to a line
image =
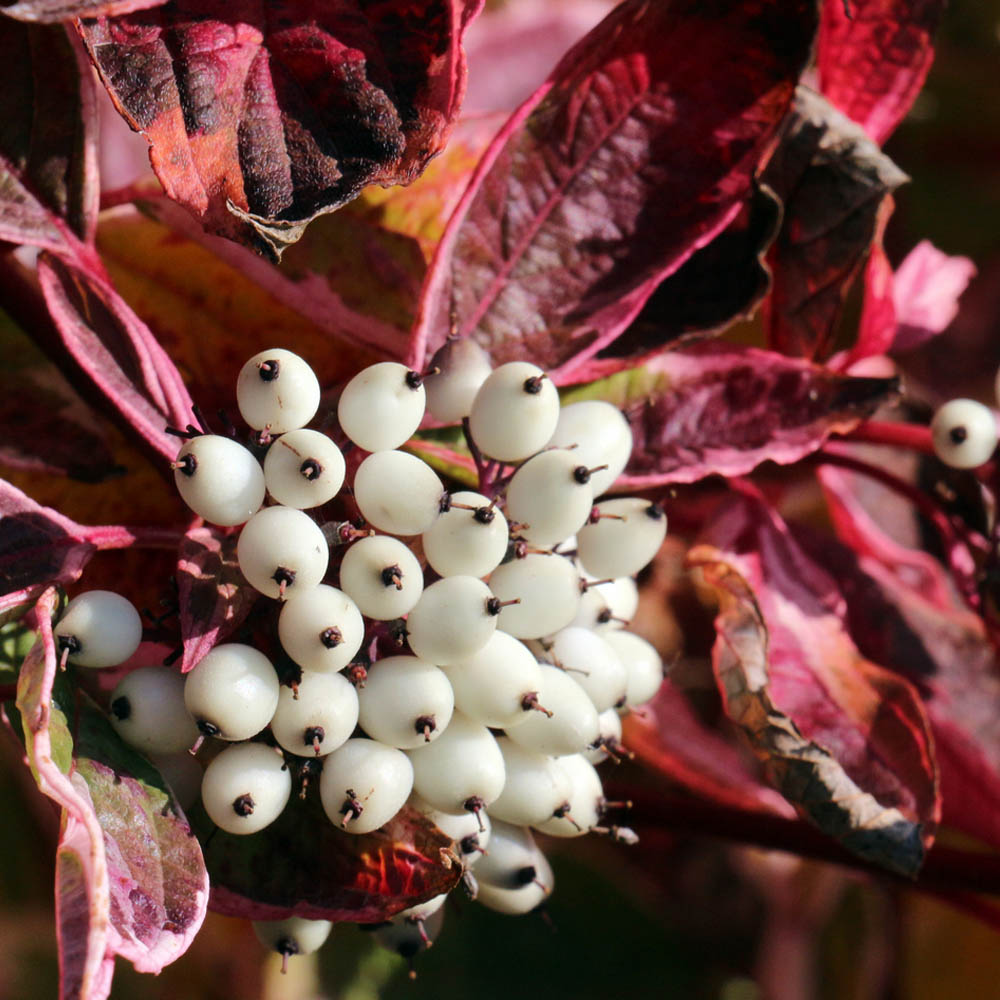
485	515
186	465
469	844
268	370
655	511
121	708
331	637
414	380
207	728
311	469
525	875
581	474
533	385
494	605
313	737
392	576
958	435
243	805
69	644
425	725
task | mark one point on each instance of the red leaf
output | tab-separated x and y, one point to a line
873	64
638	150
262	116
668	738
717	408
38	547
117	352
845	740
48	157
833	181
214	597
302	864
65	10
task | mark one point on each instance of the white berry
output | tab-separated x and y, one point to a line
382	576
381	406
397	493
245	788
571	728
623	542
551	496
964	433
277	390
602	436
643	665
294	936
321	629
549	589
464	542
453	619
219	479
535	788
405	702
303	469
282	551
318	717
514	412
462	366
586	799
364	784
148	711
99	628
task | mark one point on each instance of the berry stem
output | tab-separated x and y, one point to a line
898	435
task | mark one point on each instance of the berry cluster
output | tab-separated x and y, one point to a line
462	652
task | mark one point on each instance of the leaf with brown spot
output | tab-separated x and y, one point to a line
639	150
833	181
262	116
303	864
844	740
214	597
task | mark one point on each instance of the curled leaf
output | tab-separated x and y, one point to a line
214	597
261	117
65	10
833	180
844	740
626	161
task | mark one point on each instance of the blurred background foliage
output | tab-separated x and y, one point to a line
680	917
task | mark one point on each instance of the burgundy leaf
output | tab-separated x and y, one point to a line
833	181
117	352
261	116
303	864
214	597
722	282
639	149
38	546
668	738
845	740
718	408
873	63
65	10
49	188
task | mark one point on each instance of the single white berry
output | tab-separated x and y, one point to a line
277	390
364	784
382	576
463	366
462	770
535	788
148	711
282	551
622	598
498	685
219	479
609	737
571	728
550	496
624	540
405	702
549	590
515	876
423	911
303	469
593	663
318	717
525	898
294	936
643	665
232	692
397	493
466	542
382	406
453	619
407	938
321	629
964	433
98	628
246	787
586	799
601	436
514	412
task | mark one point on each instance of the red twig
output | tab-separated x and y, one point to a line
916	437
113	536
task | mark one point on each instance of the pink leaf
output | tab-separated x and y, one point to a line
117	352
718	408
925	294
845	740
625	162
214	598
260	117
48	157
833	181
873	64
878	313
